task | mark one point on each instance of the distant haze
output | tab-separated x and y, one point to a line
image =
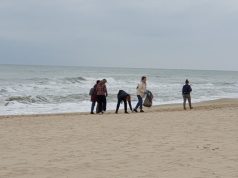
173	34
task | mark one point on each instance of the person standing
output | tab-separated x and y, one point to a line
186	94
141	91
101	91
93	94
125	97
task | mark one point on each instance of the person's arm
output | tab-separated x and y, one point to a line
129	102
105	88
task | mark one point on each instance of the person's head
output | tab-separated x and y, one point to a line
104	81
97	81
186	81
143	78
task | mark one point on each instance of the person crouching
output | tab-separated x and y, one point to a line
125	97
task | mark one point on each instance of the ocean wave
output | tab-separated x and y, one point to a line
3	91
75	79
226	83
27	99
48	99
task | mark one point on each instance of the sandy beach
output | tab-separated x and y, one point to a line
163	142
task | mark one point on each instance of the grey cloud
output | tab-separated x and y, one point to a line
139	33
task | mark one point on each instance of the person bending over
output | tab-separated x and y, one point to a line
125	97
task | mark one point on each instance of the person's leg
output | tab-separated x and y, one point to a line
129	102
92	106
184	102
138	103
189	101
97	108
104	103
125	105
100	103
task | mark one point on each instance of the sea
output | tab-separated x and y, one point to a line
59	89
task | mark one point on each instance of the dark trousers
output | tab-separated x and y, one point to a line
185	98
140	102
118	105
102	103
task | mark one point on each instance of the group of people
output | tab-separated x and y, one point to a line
99	93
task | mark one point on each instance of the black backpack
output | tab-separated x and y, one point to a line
186	89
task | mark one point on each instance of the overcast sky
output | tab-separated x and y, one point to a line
171	34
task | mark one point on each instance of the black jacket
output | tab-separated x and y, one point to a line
186	89
121	95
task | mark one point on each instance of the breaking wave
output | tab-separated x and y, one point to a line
75	79
49	99
27	99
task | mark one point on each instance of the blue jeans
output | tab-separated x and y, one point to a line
93	105
140	102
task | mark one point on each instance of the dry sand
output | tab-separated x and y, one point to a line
163	142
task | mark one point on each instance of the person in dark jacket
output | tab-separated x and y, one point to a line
94	97
186	94
125	97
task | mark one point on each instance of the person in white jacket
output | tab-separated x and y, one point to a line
141	91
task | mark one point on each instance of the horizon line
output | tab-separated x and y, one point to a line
53	65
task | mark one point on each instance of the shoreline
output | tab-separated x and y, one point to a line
216	103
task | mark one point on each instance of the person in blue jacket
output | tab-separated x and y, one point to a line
125	97
186	94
